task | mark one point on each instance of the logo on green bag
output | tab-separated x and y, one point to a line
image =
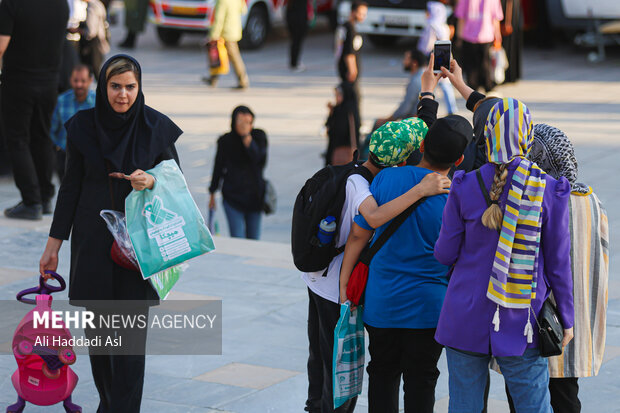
155	212
166	229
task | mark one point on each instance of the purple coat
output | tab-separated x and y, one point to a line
466	317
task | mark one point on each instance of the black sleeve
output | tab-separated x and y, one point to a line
347	45
7	17
427	111
257	151
68	194
218	167
474	98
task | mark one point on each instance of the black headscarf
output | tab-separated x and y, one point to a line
480	118
233	119
131	140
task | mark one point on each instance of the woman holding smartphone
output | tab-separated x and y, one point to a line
108	149
505	231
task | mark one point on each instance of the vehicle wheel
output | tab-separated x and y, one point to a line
382	41
256	29
50	374
66	356
169	37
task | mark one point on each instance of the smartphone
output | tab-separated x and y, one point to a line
443	55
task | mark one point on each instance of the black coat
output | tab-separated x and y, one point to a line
84	192
241	169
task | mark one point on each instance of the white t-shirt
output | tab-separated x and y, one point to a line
328	287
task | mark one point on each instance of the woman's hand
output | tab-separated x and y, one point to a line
568	336
139	179
455	75
429	78
247	140
212	202
434	184
49	259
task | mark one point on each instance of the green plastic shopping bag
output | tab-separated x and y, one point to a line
349	352
164	223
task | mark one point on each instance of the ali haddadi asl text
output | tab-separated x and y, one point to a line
97	341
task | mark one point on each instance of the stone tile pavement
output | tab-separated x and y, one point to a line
262	368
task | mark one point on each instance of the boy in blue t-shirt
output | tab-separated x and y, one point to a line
406	284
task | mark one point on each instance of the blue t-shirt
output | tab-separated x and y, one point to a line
406	284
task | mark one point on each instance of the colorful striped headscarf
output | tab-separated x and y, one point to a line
513	281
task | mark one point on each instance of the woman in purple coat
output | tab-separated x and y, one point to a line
507	257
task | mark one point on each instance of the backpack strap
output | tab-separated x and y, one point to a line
389	231
364	172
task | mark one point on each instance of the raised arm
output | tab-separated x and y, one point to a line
256	150
427	106
455	74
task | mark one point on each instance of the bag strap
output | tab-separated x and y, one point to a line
389	231
364	172
483	188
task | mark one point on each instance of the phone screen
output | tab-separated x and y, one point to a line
442	57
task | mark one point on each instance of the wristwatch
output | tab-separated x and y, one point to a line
426	94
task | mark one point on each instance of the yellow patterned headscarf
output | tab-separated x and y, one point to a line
514	276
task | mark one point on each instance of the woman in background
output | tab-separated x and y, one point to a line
239	161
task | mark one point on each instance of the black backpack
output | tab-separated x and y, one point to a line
322	195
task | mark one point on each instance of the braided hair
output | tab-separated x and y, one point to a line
493	216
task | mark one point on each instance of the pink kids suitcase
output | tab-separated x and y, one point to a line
43	376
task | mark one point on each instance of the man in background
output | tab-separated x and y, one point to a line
348	46
79	97
414	63
135	19
32	33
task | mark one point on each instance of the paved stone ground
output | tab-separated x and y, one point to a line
262	368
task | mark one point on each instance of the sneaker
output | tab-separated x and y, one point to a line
298	69
240	87
209	81
23	211
48	208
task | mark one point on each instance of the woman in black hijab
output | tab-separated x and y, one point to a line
120	137
343	125
240	160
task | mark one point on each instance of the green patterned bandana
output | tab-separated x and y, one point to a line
393	142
